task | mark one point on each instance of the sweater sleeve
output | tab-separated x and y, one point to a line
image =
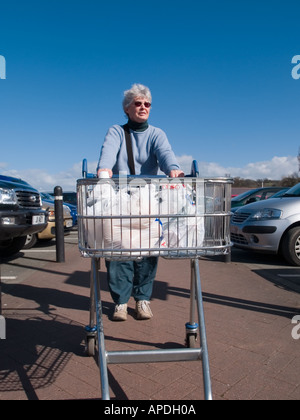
164	153
110	148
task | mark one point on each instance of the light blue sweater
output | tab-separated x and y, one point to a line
151	151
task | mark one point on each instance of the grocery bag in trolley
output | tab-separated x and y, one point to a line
122	218
144	219
183	203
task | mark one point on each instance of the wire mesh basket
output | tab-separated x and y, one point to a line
131	218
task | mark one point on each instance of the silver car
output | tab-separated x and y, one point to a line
271	226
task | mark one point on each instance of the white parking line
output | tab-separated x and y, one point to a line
38	250
8	277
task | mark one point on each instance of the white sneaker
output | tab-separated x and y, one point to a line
143	310
120	313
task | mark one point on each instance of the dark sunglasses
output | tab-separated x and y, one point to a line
139	103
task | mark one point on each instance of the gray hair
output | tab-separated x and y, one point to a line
135	91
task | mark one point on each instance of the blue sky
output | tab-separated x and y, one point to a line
219	72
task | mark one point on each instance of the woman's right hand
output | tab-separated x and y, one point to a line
105	170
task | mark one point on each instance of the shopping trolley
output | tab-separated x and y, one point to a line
127	218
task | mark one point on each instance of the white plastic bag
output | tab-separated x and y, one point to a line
145	217
101	202
119	233
183	233
174	197
179	232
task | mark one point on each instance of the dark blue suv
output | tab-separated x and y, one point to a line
20	214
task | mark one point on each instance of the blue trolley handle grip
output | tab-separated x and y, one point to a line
195	169
84	168
85	173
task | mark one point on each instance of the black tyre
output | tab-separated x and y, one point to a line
12	246
31	240
291	246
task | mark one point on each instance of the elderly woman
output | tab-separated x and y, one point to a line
151	151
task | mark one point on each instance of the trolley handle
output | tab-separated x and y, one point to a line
86	174
195	170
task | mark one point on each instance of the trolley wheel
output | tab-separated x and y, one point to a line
90	346
191	341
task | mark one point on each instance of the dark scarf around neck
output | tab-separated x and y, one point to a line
136	126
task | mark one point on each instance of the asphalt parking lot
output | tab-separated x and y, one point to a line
17	269
271	267
249	306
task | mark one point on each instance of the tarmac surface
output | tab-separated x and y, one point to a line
252	314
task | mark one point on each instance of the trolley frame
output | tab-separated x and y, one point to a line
95	337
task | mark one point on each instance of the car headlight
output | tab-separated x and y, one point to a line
267	214
8	196
67	211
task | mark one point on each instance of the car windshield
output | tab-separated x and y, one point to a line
70	197
280	193
293	192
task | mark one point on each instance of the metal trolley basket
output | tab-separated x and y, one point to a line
128	218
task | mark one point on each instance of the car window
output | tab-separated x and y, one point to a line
252	198
70	198
269	194
241	196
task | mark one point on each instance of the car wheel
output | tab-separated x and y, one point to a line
12	246
291	246
31	240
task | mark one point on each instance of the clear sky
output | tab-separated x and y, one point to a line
219	72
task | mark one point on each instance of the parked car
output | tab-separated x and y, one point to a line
21	214
73	209
252	196
271	226
69	197
49	232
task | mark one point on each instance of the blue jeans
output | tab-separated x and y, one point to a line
131	278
